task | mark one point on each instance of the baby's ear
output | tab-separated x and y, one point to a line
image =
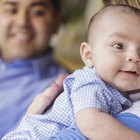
86	54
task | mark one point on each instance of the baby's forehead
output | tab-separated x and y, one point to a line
108	15
117	9
114	10
100	19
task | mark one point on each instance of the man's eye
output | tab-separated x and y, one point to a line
38	13
10	10
119	46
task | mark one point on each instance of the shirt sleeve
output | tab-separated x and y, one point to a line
89	96
21	133
32	127
71	133
18	135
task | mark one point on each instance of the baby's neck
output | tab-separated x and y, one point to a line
134	95
132	92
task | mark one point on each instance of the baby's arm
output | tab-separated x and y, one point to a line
96	125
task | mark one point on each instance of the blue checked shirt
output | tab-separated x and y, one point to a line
82	89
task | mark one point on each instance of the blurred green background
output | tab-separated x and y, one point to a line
75	18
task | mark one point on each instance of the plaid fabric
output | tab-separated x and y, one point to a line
82	89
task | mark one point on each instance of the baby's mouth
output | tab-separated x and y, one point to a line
134	73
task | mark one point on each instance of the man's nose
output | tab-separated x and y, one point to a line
22	18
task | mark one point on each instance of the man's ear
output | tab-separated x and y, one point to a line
86	54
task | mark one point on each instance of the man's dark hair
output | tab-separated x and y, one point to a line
56	4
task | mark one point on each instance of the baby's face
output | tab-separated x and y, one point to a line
116	50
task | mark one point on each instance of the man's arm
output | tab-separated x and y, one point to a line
96	125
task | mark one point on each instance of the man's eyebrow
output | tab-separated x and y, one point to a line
44	4
9	3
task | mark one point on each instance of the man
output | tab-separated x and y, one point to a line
26	64
30	127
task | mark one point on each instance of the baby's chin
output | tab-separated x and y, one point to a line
128	86
133	91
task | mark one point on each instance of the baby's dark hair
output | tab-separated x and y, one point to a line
56	5
135	3
120	8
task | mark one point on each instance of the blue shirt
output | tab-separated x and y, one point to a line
20	82
82	89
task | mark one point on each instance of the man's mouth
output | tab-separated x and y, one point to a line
22	38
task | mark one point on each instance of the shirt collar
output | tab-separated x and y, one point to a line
39	65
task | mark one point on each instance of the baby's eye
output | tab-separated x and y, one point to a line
119	46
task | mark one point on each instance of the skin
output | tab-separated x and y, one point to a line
46	98
26	27
119	47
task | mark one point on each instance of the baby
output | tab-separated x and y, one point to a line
94	94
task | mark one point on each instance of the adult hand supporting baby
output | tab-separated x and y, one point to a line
46	98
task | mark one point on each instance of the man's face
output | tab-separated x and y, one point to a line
26	27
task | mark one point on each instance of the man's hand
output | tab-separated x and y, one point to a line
46	98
